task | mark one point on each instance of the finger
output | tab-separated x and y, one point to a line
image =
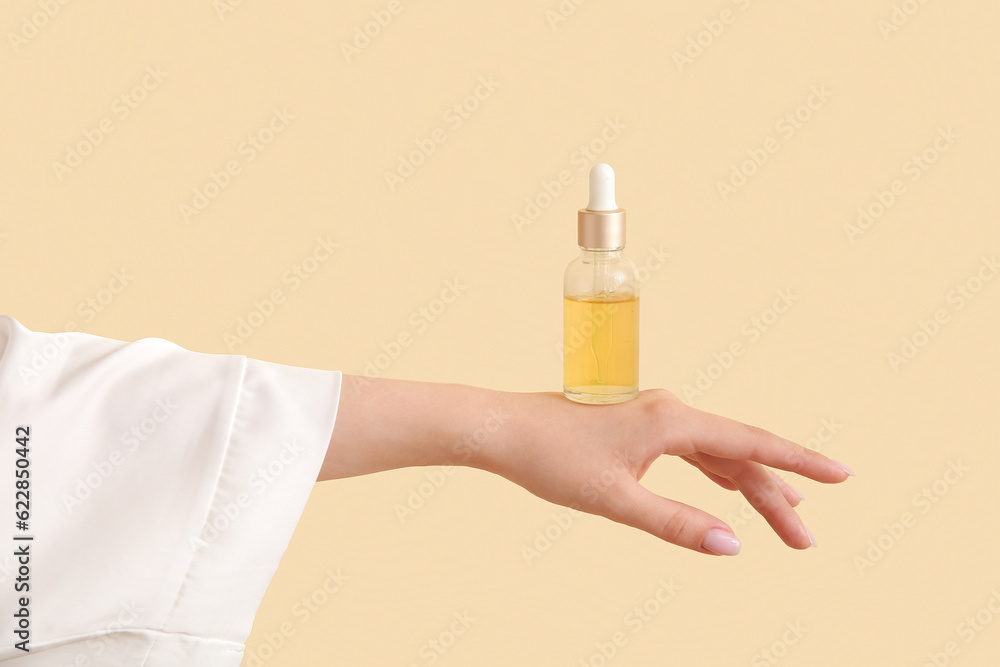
728	438
672	521
790	493
724	482
728	470
766	496
733	470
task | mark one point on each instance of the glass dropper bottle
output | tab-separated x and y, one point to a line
601	303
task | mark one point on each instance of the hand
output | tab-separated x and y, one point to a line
588	457
591	458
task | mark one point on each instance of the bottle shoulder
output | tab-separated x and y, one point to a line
592	274
592	259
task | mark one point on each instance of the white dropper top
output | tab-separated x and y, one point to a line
602	188
602	224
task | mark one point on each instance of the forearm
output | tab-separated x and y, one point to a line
383	424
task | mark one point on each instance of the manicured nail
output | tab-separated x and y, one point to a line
721	542
811	538
801	497
845	468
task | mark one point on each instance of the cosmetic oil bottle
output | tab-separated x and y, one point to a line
601	303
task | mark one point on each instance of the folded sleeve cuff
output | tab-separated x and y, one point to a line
281	428
166	485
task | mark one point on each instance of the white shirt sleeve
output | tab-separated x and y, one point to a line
165	485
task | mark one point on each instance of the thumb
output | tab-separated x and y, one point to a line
672	521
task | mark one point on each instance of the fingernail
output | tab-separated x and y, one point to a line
811	538
801	497
721	542
845	468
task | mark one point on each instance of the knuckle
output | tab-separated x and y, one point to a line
662	406
675	529
757	432
662	398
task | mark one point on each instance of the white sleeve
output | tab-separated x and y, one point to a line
165	485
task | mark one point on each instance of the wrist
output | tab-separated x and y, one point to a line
383	424
490	426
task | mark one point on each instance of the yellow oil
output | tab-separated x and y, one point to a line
601	348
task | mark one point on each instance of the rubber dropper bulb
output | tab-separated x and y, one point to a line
602	188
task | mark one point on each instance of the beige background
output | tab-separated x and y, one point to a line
821	373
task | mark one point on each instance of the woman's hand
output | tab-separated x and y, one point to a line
587	457
591	458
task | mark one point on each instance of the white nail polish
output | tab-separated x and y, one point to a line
845	468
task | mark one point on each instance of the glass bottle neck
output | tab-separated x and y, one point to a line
601	252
